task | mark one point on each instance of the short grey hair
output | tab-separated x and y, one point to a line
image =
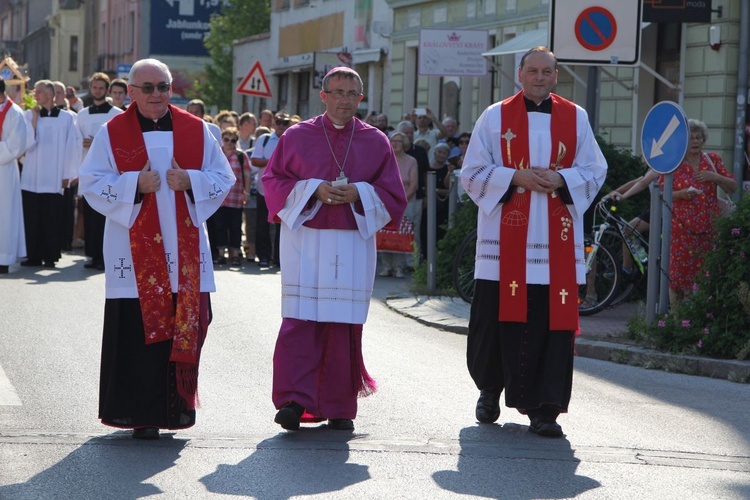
142	63
698	125
401	125
407	142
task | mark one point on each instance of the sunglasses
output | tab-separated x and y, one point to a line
148	88
228	139
283	122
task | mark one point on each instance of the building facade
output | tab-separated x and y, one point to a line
679	61
307	38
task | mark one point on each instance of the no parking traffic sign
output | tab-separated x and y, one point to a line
664	137
596	28
596	32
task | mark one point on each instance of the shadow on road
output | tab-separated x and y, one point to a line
507	461
113	466
313	461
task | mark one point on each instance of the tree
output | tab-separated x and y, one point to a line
238	19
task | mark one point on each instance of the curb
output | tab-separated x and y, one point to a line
732	370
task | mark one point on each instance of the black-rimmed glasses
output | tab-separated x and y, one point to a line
148	88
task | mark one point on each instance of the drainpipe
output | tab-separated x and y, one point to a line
742	96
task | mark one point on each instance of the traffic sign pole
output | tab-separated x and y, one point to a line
664	142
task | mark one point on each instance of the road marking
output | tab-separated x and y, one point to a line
8	396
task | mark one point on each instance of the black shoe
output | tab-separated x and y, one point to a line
94	264
221	261
3	269
488	406
31	263
235	262
545	428
100	266
341	424
263	263
289	415
49	264
146	433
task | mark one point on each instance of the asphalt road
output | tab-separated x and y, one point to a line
631	432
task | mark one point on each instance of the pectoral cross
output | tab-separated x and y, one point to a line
203	262
513	286
508	136
563	294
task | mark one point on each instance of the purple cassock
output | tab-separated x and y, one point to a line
328	259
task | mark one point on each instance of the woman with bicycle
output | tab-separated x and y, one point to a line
694	209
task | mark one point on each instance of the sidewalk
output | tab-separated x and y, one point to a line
602	337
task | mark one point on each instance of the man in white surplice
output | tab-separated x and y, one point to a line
332	182
12	145
156	198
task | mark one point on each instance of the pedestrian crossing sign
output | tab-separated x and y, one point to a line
255	83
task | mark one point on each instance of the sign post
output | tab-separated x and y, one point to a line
664	142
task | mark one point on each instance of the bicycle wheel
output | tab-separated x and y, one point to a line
463	267
613	241
601	285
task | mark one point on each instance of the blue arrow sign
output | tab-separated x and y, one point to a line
664	137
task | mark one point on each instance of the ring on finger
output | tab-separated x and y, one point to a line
329	200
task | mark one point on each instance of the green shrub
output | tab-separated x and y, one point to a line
715	320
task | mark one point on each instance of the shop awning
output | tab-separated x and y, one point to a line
520	43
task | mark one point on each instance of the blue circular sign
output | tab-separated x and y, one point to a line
664	137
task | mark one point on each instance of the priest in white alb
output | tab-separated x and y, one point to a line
332	182
533	167
157	174
12	145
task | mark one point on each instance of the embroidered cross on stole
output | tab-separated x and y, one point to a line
161	321
514	222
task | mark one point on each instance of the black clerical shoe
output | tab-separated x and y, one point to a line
94	264
545	427
31	263
49	264
488	406
289	415
341	424
3	269
146	433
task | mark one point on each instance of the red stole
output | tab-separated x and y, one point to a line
160	320
8	104
514	222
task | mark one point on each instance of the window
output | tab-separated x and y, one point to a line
73	65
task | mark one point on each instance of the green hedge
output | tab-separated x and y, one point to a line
715	320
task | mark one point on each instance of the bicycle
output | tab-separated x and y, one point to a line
463	267
605	284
